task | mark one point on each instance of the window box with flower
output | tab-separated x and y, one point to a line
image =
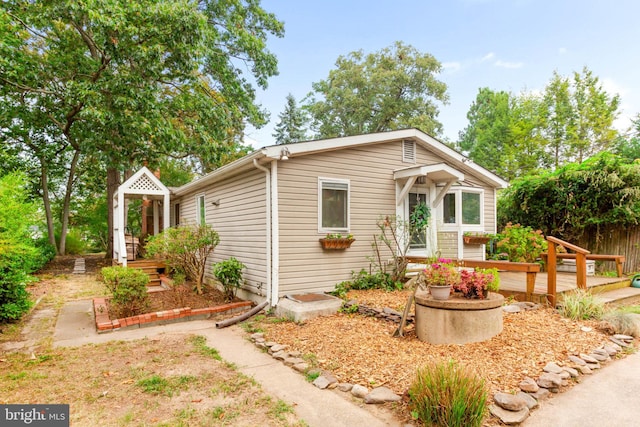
336	241
473	238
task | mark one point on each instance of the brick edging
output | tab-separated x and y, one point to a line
104	324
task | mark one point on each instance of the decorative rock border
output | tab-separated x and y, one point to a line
386	313
325	379
510	409
105	324
514	409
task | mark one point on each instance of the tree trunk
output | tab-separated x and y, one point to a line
113	181
44	181
67	201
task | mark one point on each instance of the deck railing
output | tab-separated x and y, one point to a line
552	262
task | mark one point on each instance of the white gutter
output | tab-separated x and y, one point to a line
269	216
275	235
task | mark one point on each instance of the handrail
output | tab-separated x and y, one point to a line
567	245
581	266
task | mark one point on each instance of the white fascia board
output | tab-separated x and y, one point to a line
438	146
274	151
220	173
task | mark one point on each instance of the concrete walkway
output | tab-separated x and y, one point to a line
316	407
609	397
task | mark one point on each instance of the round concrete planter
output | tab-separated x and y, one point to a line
458	320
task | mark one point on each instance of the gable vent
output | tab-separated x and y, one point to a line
408	151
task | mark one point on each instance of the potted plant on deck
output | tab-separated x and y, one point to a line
336	241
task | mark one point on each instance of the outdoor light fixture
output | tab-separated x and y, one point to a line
216	202
284	154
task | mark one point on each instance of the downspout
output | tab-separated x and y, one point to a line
268	242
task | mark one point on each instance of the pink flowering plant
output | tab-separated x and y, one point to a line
474	283
441	272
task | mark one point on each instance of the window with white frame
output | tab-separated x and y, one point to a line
333	205
201	213
462	207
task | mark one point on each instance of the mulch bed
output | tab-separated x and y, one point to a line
362	350
179	297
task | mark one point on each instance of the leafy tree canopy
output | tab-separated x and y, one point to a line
518	135
394	88
124	81
603	190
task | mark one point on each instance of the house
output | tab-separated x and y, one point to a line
272	206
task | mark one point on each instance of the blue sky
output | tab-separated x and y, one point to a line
504	45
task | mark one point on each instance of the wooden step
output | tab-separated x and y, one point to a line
621	296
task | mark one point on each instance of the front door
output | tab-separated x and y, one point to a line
419	243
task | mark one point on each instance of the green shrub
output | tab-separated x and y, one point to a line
18	254
520	244
581	305
128	288
74	243
14	298
364	280
229	273
185	248
445	394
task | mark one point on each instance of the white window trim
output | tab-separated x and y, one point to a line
204	206
458	224
322	230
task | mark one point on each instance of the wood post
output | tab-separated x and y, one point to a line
551	274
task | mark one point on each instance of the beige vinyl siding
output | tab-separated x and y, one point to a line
240	220
475	252
304	265
448	244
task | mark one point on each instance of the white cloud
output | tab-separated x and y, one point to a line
612	87
452	66
562	50
488	56
506	64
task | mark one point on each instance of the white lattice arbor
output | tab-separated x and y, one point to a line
142	185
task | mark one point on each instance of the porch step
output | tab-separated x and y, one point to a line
152	268
621	296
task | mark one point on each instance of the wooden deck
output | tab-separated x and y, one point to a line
514	283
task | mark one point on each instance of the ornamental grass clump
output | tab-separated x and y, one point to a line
445	394
581	305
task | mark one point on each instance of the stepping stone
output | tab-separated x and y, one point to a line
381	395
509	417
530	400
510	402
529	385
359	391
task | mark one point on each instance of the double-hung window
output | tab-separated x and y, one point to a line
333	205
461	207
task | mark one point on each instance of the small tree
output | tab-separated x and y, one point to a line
394	238
185	247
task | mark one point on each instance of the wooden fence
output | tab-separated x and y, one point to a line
615	240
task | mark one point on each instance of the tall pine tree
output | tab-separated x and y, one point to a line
292	123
